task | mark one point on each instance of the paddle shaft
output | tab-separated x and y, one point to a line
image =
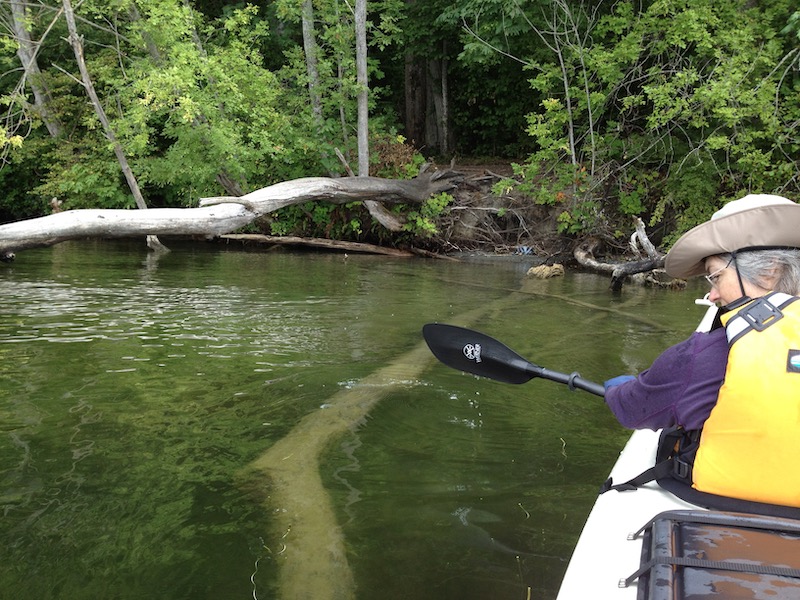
573	381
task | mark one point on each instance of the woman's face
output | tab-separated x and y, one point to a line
725	283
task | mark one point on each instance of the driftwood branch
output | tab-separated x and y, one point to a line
290	240
639	238
220	215
584	254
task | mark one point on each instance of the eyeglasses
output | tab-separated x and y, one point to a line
714	277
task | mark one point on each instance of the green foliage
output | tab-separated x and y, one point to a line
582	217
638	97
690	197
793	25
206	109
565	187
336	87
656	110
549	129
21	173
487	88
85	178
422	222
635	188
9	141
319	219
490	119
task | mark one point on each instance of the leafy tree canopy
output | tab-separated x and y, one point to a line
661	109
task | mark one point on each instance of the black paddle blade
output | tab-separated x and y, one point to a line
476	353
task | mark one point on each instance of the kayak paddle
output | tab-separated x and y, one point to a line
479	354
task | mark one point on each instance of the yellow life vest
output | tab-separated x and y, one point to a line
750	444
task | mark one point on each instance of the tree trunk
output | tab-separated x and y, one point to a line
26	51
415	97
310	50
378	212
217	216
445	116
77	47
363	87
436	117
152	48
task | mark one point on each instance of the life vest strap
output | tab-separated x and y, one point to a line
669	462
662	469
757	315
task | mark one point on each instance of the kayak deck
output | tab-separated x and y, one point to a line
703	554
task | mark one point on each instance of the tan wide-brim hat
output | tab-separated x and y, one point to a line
757	220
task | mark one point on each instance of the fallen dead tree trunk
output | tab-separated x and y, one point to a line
290	240
217	216
652	266
619	271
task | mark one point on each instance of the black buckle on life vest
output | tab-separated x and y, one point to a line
681	469
761	314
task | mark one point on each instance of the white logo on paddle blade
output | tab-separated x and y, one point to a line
473	352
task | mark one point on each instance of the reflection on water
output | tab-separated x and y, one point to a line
134	394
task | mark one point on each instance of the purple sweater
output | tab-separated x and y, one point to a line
680	387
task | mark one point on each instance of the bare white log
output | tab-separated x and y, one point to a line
216	216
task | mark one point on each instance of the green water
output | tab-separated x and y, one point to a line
136	394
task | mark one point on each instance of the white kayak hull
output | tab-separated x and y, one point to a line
604	555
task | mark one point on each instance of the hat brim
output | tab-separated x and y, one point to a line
773	225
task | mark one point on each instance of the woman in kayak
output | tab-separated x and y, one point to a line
732	394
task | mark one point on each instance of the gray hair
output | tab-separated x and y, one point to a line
759	266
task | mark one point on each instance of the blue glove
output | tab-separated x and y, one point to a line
619	380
